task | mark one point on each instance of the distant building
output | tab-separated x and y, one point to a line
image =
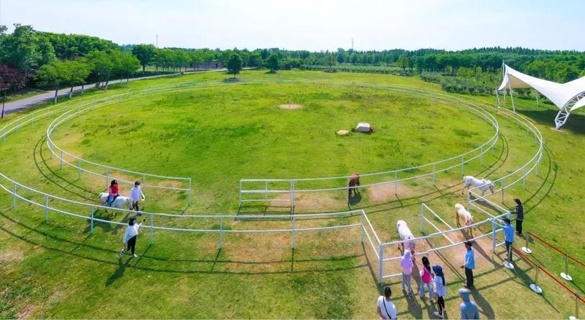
209	65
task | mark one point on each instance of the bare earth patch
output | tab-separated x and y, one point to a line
11	256
313	202
385	192
290	106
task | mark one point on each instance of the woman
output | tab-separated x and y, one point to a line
129	239
407	265
113	192
519	211
440	290
426	278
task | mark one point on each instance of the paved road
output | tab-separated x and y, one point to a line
49	95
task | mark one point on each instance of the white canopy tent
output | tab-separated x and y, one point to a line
566	96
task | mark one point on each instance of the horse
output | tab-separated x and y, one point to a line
405	234
119	203
354	180
461	212
481	184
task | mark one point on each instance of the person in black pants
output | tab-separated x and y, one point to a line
130	237
519	212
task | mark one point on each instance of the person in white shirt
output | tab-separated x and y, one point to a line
136	195
129	239
386	308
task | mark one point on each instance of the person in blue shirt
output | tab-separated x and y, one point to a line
509	237
469	264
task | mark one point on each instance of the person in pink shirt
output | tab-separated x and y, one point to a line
407	265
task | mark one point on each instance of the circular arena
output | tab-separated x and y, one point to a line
280	220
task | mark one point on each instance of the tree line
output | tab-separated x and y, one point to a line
35	59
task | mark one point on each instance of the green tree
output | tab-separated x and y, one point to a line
53	75
25	50
10	79
126	65
144	53
78	71
102	66
330	60
234	64
273	61
403	62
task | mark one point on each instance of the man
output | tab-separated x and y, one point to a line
386	309
468	308
519	212
509	237
469	264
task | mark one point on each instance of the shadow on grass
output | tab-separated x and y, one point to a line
546	117
119	273
323	264
53	177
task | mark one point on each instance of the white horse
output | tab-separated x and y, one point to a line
404	233
119	203
461	212
481	184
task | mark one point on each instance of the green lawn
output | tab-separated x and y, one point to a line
218	133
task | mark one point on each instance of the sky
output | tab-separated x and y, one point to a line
311	25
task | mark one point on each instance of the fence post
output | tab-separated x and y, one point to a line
292	195
91	220
576	317
221	232
46	208
79	169
363	228
293	231
61	161
565	275
190	190
422	217
525	248
462	165
534	286
151	228
502	184
494	227
240	193
381	264
434	173
395	182
14	198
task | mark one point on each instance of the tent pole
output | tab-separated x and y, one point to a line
512	97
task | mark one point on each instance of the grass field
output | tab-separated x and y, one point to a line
218	133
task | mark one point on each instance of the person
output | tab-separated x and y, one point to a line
407	265
508	237
468	308
440	290
519	212
136	195
469	264
129	239
426	277
386	308
113	192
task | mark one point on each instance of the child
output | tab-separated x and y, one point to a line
129	239
407	265
113	192
440	290
426	278
135	195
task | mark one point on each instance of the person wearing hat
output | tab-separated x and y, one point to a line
468	308
440	290
136	195
386	308
469	264
509	237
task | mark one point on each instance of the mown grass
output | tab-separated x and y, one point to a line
217	133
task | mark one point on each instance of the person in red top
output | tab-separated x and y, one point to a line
114	192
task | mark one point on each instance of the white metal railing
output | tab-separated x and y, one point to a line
519	174
457	161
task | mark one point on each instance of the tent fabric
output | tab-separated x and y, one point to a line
558	93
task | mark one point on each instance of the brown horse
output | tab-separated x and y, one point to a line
354	180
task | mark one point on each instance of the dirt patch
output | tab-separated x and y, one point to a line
11	256
385	192
290	106
313	202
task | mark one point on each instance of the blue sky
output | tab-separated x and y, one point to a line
312	25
